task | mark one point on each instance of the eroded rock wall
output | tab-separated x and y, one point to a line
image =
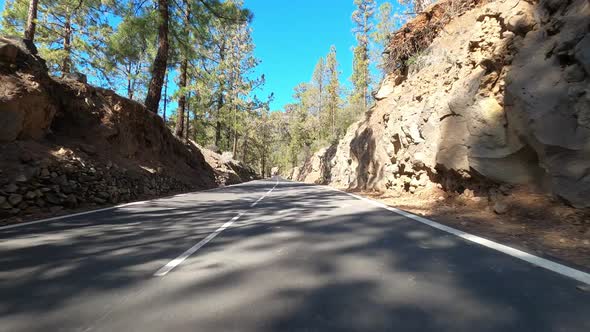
501	95
65	144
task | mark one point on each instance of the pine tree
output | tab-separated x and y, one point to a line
319	82
130	51
69	33
333	88
183	71
361	79
386	25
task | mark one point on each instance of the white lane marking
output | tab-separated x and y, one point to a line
164	270
267	193
116	207
258	200
532	259
70	215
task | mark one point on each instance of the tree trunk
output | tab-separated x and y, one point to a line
263	164
129	89
182	99
218	120
333	123
219	101
31	20
165	99
159	68
188	117
235	147
67	45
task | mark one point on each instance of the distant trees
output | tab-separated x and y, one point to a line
324	108
321	98
333	90
361	78
319	81
198	57
387	23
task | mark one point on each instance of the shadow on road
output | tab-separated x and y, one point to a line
305	259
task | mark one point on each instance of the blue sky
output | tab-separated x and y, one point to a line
291	36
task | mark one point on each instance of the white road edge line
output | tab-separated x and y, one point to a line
116	207
164	270
532	259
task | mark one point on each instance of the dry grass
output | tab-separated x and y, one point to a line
416	35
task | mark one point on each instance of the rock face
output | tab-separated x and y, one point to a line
65	144
227	170
26	108
503	96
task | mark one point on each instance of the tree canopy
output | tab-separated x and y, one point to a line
193	62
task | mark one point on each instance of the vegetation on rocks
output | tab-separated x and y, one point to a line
477	94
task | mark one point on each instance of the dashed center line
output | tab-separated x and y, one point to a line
164	270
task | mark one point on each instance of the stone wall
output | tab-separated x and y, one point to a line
70	180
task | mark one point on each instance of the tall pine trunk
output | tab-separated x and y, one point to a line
67	45
219	101
235	143
165	99
263	164
235	146
129	87
154	94
218	120
188	118
182	100
179	131
31	18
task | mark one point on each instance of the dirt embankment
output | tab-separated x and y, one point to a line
483	116
67	145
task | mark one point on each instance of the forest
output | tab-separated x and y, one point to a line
193	62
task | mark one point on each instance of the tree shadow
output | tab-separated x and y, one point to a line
323	267
305	259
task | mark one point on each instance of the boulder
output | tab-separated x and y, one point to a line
15	199
11	188
8	52
76	76
582	52
500	207
521	23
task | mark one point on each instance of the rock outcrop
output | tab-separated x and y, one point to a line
501	95
227	170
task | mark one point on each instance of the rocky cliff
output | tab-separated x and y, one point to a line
499	94
65	144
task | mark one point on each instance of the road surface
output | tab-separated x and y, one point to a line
302	258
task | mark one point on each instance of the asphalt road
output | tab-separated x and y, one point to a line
304	258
